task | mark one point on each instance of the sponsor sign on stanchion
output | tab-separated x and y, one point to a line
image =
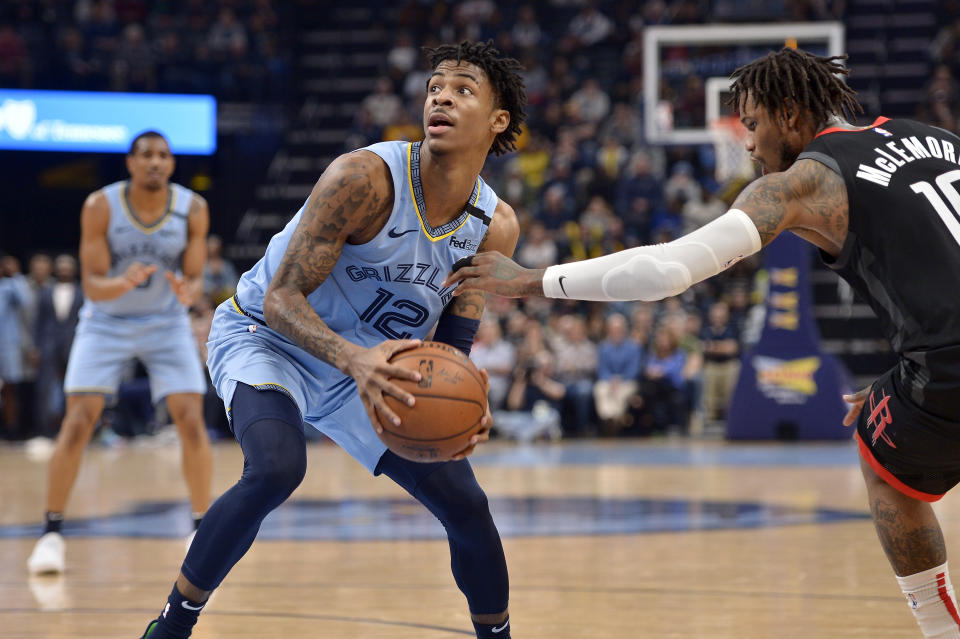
788	387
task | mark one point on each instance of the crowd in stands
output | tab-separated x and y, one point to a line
584	182
234	49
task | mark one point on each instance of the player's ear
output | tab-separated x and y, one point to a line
790	114
499	120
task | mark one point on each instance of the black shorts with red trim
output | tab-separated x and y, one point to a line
914	451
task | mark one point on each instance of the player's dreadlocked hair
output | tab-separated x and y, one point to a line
808	81
504	73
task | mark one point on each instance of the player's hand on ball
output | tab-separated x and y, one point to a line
372	370
486	422
138	273
856	405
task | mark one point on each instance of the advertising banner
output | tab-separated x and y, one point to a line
105	122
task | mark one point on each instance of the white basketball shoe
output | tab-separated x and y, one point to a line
48	555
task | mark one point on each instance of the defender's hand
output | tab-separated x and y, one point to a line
486	421
138	273
186	292
495	273
856	405
371	369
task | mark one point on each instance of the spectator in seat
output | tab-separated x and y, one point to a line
58	308
664	384
498	356
721	361
576	368
618	368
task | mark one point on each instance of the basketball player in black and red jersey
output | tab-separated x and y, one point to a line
881	202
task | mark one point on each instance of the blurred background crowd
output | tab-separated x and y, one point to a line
584	182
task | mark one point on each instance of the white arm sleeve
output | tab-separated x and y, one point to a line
651	273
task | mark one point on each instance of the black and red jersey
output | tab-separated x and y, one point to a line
902	252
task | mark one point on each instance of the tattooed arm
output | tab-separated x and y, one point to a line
354	195
808	199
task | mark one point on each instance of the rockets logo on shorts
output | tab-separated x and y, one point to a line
880	418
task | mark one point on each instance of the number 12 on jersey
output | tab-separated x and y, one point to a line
386	322
945	184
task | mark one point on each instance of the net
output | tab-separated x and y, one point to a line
733	163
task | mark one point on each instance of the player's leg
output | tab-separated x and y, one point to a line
99	352
186	411
269	428
913	542
177	375
451	492
81	417
77	428
908	459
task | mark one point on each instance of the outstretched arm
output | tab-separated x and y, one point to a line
808	199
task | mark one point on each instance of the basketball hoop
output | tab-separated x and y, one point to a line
733	162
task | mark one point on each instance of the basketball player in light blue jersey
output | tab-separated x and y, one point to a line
142	251
351	280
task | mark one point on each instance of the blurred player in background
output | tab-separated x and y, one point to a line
880	202
309	334
142	250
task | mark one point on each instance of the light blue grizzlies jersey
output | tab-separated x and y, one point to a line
161	243
389	287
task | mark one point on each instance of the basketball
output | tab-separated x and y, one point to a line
451	399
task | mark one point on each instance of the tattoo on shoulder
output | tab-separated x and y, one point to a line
350	201
813	195
822	195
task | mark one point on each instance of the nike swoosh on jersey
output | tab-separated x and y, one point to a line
394	233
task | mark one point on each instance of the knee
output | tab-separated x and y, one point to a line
475	501
275	478
192	430
459	500
77	428
187	416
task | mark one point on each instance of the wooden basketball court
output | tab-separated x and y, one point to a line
604	540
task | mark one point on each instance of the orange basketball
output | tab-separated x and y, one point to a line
450	402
